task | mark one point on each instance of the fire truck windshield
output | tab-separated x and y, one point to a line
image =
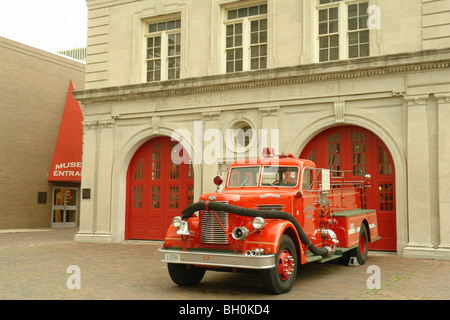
272	176
244	177
279	176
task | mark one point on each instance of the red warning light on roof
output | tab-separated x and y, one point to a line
268	152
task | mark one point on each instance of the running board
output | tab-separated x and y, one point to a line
310	257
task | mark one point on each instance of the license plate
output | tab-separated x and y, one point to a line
172	257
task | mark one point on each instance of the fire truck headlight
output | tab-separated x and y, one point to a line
176	222
184	229
240	233
258	223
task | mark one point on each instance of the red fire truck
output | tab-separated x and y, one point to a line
271	215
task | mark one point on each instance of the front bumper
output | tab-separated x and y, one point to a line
215	259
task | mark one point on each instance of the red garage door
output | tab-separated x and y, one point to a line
157	190
360	151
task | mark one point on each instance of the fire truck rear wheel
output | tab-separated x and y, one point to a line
281	278
360	252
185	275
363	247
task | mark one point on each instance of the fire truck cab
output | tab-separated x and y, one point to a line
270	215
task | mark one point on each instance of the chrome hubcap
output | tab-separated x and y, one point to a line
285	265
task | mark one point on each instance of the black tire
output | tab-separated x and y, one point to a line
363	246
185	275
360	252
279	280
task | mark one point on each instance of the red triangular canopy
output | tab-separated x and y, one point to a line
66	165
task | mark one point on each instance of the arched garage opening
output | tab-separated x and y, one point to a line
359	151
157	189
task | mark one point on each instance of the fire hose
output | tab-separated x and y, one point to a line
266	214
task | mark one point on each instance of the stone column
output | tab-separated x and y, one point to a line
95	221
418	163
88	212
104	173
269	122
443	249
212	150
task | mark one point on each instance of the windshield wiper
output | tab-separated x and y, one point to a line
245	180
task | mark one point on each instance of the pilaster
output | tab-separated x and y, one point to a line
269	122
418	162
88	178
95	225
104	172
444	173
212	148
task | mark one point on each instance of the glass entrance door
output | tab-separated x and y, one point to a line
65	207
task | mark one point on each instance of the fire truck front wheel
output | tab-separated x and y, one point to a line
185	275
281	278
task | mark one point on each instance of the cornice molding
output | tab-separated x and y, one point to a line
269	111
416	99
443	97
212	115
90	125
318	72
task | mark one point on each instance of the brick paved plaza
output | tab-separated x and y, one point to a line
34	265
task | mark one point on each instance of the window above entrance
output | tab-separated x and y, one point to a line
246	38
342	29
163	49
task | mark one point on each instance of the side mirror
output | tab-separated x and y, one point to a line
367	178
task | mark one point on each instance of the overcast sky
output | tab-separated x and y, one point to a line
51	25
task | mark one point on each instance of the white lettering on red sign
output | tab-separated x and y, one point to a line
63	169
66	174
68	165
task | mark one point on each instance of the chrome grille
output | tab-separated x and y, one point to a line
272	207
212	231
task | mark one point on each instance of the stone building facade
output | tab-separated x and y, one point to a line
350	84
